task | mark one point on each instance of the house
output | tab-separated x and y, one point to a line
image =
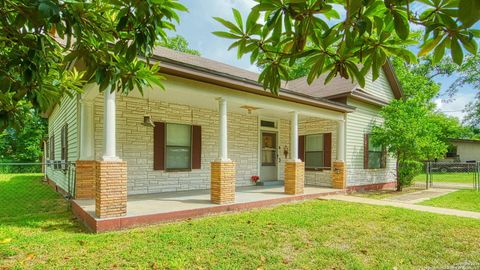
214	128
463	150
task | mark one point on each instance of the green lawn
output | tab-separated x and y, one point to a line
462	199
466	178
26	194
311	235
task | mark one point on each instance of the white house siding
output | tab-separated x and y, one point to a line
65	112
380	87
314	126
468	151
135	144
359	123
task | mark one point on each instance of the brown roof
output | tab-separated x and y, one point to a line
336	86
317	90
198	61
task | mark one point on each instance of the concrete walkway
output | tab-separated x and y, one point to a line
420	196
423	208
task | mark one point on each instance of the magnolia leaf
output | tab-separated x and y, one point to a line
469	43
439	52
238	18
226	35
429	45
469	12
402	27
456	50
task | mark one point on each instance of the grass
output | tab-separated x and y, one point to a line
468	200
310	235
464	178
26	194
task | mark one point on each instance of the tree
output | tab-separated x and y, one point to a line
369	33
413	131
40	41
178	43
24	144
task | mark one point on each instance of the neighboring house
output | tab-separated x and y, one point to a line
215	128
462	150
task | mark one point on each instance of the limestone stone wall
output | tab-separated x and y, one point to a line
135	144
314	126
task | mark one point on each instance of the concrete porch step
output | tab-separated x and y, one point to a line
270	183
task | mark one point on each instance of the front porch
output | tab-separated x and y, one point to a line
215	142
171	206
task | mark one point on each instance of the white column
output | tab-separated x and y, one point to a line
109	128
294	136
341	140
86	130
223	131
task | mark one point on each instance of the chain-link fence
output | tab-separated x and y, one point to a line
25	189
456	175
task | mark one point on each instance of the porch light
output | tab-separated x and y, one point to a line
147	118
249	108
147	121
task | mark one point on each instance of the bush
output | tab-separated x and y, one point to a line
407	170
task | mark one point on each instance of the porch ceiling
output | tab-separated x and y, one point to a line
202	95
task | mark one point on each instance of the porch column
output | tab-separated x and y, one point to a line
109	127
294	168
339	173
294	136
85	166
111	171
222	181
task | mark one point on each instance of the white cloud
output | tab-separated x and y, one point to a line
456	106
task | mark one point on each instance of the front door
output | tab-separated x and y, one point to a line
268	166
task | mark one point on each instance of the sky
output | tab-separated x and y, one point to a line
198	24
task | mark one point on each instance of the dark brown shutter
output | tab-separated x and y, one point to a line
65	133
301	148
327	150
365	151
159	146
62	143
196	147
52	147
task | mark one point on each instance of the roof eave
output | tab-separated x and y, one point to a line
185	70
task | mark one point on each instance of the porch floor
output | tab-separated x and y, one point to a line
168	206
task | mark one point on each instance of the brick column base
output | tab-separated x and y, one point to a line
111	189
339	175
294	177
85	177
222	188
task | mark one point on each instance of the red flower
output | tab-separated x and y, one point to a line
255	178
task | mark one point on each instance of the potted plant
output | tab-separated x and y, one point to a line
255	178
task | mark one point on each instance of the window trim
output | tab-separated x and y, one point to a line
367	152
166	146
321	168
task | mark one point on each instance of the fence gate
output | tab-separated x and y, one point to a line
25	191
458	175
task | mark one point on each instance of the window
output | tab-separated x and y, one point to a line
269	124
375	156
64	146
52	147
452	151
178	147
314	151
